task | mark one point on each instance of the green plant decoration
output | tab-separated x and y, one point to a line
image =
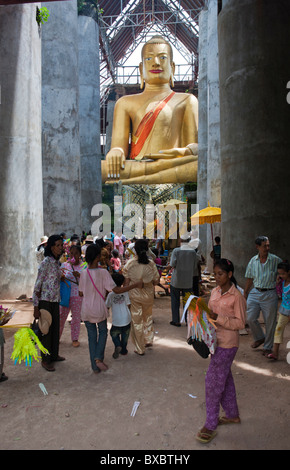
42	15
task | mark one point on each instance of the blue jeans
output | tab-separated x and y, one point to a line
97	336
267	302
120	336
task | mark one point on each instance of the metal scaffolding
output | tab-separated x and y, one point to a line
130	23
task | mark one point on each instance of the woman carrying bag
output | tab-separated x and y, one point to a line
46	296
228	309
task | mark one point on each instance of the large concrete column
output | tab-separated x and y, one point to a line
89	115
213	158
21	218
254	57
209	123
202	123
60	119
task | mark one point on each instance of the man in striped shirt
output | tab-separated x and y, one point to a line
260	292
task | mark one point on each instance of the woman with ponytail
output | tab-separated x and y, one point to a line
228	309
141	267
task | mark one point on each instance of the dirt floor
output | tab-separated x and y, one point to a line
84	411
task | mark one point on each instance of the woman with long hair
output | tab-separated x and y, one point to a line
141	267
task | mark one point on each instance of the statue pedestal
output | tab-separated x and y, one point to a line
142	194
146	199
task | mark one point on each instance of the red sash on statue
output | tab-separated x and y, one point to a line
145	127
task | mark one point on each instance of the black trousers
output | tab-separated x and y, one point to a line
195	285
175	293
51	340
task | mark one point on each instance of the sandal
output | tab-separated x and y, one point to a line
266	352
225	420
271	356
258	343
75	344
101	365
205	437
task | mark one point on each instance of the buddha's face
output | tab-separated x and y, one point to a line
156	66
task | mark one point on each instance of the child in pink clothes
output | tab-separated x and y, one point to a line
71	271
115	261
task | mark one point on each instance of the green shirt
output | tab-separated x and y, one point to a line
263	274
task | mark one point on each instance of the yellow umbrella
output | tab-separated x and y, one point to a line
209	215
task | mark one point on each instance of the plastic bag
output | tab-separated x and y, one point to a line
65	288
201	328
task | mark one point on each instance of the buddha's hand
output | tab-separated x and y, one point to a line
191	149
115	159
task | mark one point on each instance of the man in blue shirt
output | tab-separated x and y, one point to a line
260	292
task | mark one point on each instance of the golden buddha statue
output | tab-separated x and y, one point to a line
163	126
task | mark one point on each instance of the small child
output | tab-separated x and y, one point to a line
115	261
158	261
121	317
284	309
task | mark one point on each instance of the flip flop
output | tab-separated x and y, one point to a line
205	437
257	343
101	365
272	357
139	354
266	352
225	420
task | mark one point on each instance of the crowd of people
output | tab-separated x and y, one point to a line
88	277
96	276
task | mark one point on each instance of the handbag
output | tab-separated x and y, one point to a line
200	347
35	327
65	288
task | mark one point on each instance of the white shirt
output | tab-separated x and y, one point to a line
121	315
